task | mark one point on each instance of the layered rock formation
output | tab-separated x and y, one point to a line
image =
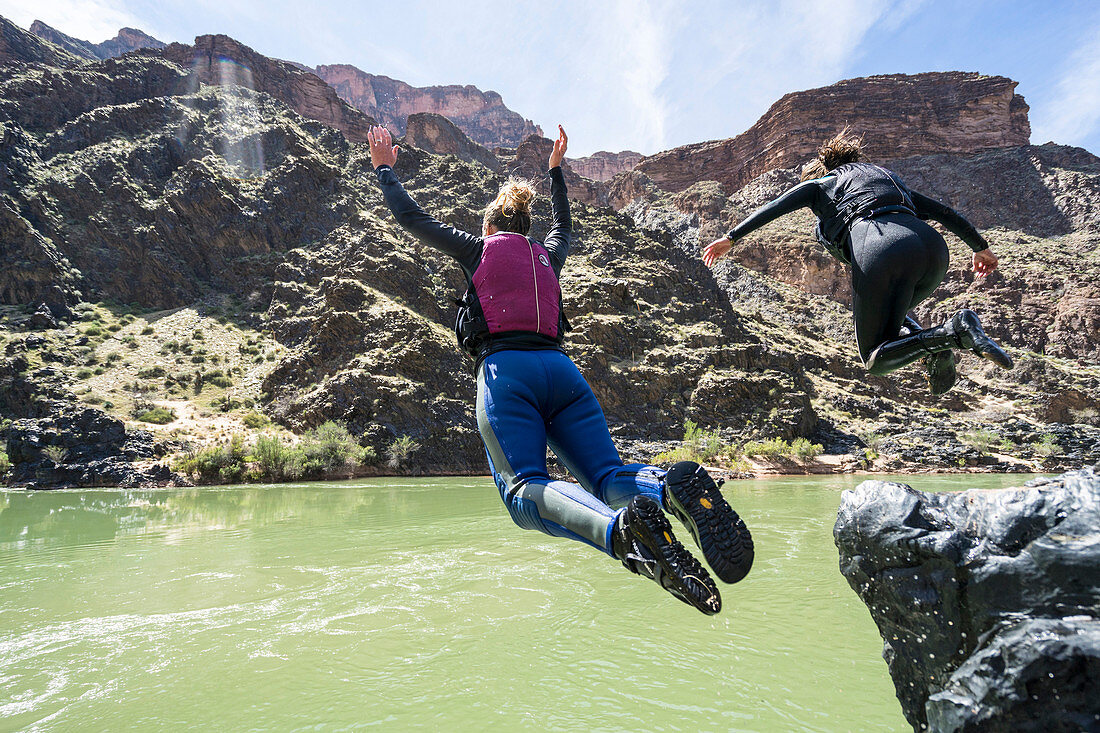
481	115
899	116
17	45
603	166
220	60
986	600
128	39
438	135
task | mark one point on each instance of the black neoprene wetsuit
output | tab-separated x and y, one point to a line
869	219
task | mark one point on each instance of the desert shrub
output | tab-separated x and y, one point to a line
113	357
152	372
774	448
218	379
56	453
1047	446
699	445
224	462
980	439
400	451
157	415
147	330
114	327
270	456
99	370
198	359
5	462
93	330
327	446
225	404
83	373
255	420
805	450
198	335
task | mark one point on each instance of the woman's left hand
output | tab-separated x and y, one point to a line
559	148
985	262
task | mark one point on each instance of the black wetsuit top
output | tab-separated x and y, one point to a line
853	191
467	248
869	219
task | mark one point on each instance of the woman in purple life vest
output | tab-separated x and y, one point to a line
531	395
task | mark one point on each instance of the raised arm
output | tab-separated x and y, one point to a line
557	240
464	247
985	261
798	197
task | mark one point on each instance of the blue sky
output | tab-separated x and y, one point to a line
648	75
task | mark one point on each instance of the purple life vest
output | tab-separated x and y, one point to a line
514	292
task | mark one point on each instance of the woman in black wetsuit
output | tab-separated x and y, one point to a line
868	219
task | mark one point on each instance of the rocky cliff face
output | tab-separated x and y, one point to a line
899	116
481	115
986	600
17	45
438	135
220	60
603	166
128	39
167	179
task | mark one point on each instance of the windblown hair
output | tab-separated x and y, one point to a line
843	148
814	169
510	211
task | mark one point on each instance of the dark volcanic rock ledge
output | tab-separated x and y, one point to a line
987	601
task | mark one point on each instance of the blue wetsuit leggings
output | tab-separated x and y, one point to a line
527	400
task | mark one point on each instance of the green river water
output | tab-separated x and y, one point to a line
400	604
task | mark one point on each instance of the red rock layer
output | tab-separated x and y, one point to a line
481	115
302	91
899	116
603	166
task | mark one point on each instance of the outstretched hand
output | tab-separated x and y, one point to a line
559	148
382	149
715	251
985	262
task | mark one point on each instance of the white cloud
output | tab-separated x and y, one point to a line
87	20
1072	112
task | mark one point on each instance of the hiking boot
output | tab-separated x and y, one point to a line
939	371
643	541
970	336
692	495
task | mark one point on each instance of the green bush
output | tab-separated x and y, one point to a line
114	327
83	373
774	448
981	439
221	462
1047	447
157	415
327	446
255	420
5	462
152	372
147	330
699	445
56	453
804	449
93	331
400	451
270	456
218	379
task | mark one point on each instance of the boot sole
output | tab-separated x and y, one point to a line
716	528
690	581
940	372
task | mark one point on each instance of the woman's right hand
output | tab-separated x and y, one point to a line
715	251
559	148
382	149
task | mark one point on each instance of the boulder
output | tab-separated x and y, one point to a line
987	601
